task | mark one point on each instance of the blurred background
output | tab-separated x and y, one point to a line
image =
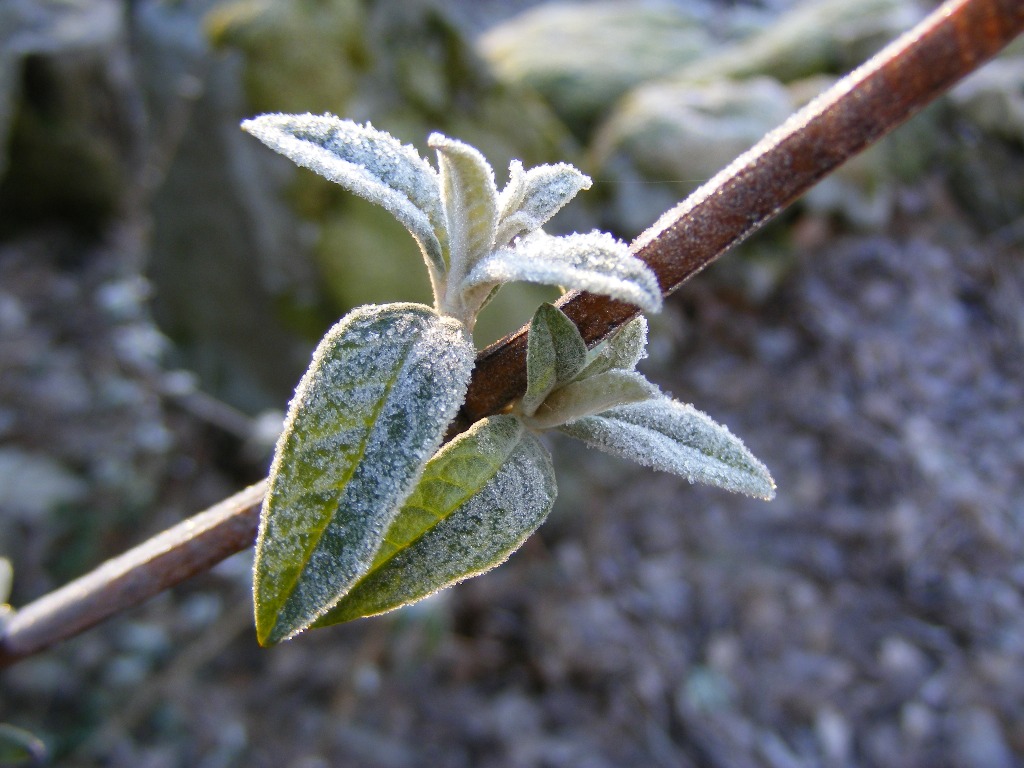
164	277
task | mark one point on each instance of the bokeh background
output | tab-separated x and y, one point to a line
163	278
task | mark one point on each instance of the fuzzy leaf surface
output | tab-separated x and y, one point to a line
480	497
369	163
373	407
470	199
622	351
532	197
673	437
555	353
589	396
594	262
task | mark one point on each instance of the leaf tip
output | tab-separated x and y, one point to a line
767	491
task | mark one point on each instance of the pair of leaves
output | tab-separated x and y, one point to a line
597	397
373	407
473	238
479	499
356	520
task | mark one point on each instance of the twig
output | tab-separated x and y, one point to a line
192	546
908	74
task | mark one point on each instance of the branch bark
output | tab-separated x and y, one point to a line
904	77
893	85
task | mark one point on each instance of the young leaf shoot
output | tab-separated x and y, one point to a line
361	516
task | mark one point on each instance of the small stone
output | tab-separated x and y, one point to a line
900	658
917	721
834	734
978	740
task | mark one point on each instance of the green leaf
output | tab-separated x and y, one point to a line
589	396
555	353
673	437
532	197
594	262
622	351
373	407
19	747
480	497
371	164
470	199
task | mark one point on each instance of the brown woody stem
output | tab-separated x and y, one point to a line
893	85
908	74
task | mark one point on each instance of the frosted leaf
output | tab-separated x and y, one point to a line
594	262
623	350
479	499
532	197
673	437
371	164
589	396
373	407
470	199
555	354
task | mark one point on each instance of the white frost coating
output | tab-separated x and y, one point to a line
673	437
555	353
472	238
478	536
470	199
372	408
594	262
370	163
622	351
589	396
532	197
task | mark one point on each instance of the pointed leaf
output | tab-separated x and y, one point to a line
370	163
588	396
532	197
372	408
594	262
470	200
673	437
554	355
480	497
622	351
